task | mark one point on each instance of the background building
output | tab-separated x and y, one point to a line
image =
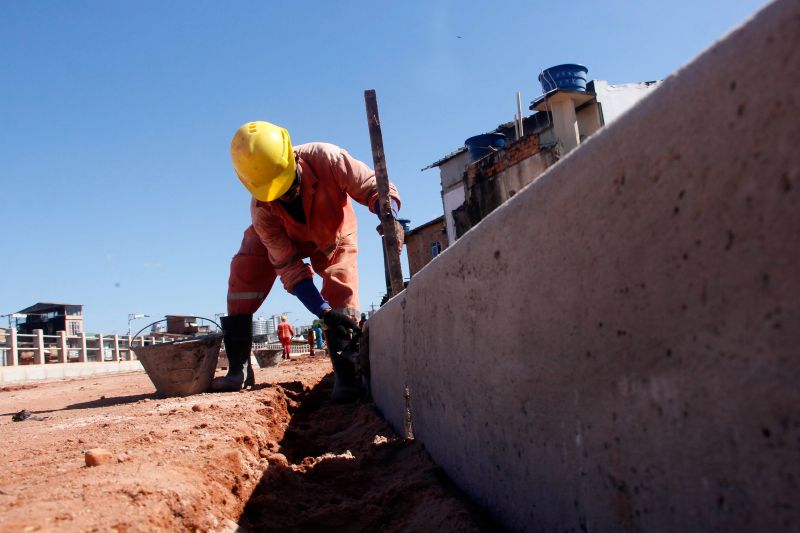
477	178
51	318
185	325
425	242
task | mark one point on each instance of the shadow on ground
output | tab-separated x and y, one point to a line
341	468
100	402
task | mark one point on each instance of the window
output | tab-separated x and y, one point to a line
74	327
436	249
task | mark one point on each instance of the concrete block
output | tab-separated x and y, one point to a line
616	347
27	373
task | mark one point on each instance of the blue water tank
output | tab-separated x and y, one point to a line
569	77
484	144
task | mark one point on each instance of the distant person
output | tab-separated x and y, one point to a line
301	208
362	321
311	340
318	334
285	334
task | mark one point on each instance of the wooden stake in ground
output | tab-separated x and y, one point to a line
394	269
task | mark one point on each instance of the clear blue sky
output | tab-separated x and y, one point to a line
116	188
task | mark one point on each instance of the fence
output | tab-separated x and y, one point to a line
296	347
40	349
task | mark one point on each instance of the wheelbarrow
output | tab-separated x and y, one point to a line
182	367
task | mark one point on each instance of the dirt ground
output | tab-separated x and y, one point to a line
279	457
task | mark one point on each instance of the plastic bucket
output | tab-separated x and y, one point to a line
484	144
569	77
183	367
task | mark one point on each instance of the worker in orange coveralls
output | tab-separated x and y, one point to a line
285	334
311	339
301	208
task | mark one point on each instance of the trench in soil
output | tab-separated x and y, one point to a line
342	468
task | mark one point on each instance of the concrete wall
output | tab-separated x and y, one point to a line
28	373
617	347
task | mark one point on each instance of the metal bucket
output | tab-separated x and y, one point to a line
183	367
268	357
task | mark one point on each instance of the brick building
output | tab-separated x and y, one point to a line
425	242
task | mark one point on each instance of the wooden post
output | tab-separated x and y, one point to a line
388	222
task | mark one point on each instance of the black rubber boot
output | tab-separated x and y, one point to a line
346	385
238	330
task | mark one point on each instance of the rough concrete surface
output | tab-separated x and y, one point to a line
616	348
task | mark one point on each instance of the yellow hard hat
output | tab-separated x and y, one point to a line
263	158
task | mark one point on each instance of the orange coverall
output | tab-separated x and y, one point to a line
285	333
276	244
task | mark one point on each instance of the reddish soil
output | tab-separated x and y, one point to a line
280	457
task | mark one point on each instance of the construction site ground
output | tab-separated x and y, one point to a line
279	457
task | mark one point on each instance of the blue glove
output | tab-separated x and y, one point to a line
308	294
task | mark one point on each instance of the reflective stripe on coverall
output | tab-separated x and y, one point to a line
276	244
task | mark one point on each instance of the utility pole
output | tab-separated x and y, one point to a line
393	267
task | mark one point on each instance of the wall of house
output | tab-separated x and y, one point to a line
589	120
452	200
451	174
418	244
615	348
616	99
517	176
492	180
452	170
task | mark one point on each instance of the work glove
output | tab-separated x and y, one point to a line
341	330
399	233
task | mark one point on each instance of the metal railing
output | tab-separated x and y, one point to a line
297	346
39	349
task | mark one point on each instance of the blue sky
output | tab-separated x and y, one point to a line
116	188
